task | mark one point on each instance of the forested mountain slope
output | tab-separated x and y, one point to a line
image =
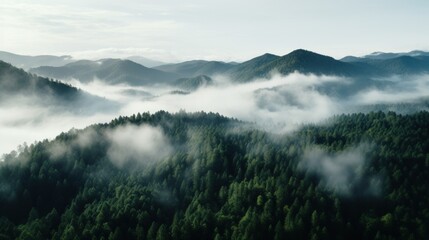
359	176
251	68
19	87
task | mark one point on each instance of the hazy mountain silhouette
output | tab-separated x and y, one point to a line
115	71
18	86
197	67
384	56
111	71
414	62
145	61
26	62
193	83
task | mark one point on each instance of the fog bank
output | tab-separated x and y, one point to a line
280	104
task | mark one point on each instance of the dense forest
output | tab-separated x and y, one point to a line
357	176
16	81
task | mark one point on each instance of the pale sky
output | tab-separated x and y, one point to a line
226	30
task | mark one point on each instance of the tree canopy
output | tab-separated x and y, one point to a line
223	179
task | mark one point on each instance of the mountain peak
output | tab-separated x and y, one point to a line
264	58
268	55
376	53
305	53
300	50
305	61
145	61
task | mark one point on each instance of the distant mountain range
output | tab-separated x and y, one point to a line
414	62
262	66
196	67
145	61
384	56
111	71
132	72
18	85
299	60
307	62
27	62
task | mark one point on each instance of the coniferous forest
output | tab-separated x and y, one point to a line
356	176
223	120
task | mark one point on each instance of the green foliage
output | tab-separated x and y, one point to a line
16	81
224	180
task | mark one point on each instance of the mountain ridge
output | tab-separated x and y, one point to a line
27	62
112	71
117	71
17	83
194	68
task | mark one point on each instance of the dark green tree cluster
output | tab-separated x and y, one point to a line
16	81
224	180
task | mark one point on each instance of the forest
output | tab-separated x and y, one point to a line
355	176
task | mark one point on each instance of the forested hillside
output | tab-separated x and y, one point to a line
15	81
19	87
358	176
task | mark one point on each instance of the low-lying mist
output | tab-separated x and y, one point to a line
343	172
137	144
280	104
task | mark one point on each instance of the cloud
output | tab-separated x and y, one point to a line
29	123
290	101
81	26
342	172
120	93
400	89
137	144
127	145
280	104
83	140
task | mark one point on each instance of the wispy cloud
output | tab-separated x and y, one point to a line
280	104
265	102
342	172
402	89
137	144
80	27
